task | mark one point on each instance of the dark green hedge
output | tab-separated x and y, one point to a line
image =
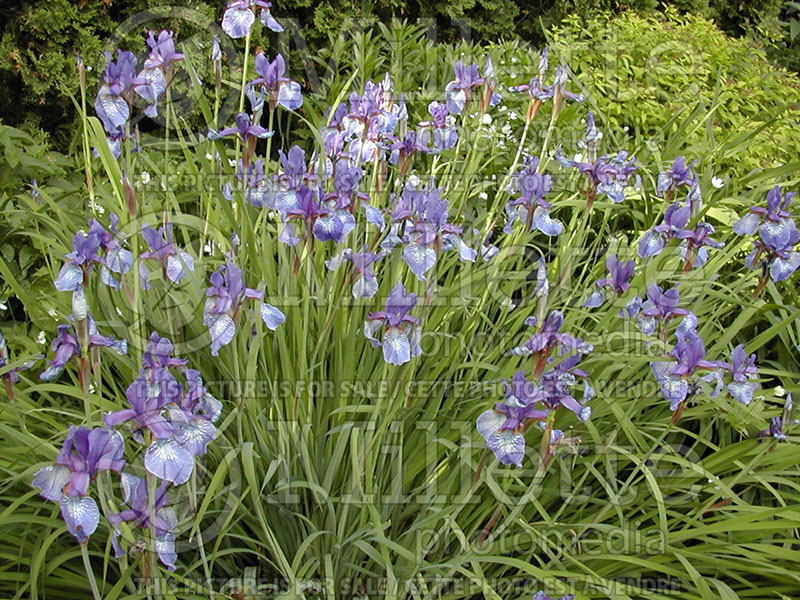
39	40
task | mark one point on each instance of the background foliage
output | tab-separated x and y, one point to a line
38	42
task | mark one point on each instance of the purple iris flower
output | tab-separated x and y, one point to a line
240	15
780	262
676	218
549	337
678	176
539	92
530	207
695	244
157	72
401	151
774	222
98	246
503	426
775	250
66	345
114	96
85	453
280	89
195	415
609	175
322	219
178	420
12	375
401	332
367	129
490	96
557	384
676	378
422	216
618	280
459	91
443	124
659	307
365	282
174	262
743	370
136	496
148	395
257	190
543	596
779	425
225	297
245	129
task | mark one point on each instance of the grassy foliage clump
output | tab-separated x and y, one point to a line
334	471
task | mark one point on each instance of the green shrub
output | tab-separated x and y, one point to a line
640	71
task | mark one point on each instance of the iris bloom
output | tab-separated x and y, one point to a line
775	250
245	129
421	223
443	124
659	307
240	15
503	426
543	596
743	371
280	89
66	345
115	95
618	280
178	419
530	207
174	262
609	175
136	496
401	332
225	298
84	454
459	91
779	425
11	376
549	337
100	247
365	282
157	72
680	175
558	381
677	378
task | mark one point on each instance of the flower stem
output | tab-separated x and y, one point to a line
153	553
90	573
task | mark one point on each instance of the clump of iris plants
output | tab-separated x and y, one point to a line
370	206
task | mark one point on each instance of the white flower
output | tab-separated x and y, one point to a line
52	312
513	115
42	338
779	391
414	180
483	196
514	59
717	182
145	177
486	119
209	156
578	157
